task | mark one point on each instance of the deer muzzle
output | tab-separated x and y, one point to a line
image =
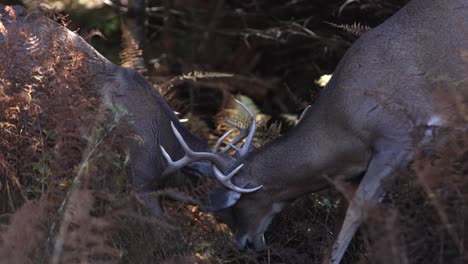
256	242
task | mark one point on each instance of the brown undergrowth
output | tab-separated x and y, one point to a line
424	217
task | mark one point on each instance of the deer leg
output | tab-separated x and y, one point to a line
369	190
151	204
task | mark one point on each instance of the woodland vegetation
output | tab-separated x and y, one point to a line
273	55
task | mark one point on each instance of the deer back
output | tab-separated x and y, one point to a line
36	49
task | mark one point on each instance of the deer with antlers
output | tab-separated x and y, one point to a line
359	128
28	39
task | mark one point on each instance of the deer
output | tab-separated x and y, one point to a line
360	127
150	118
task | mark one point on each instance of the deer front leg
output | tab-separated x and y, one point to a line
382	166
152	205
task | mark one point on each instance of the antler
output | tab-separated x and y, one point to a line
244	133
226	180
191	156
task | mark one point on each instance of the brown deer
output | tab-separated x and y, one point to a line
359	128
29	38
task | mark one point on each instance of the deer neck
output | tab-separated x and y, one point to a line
307	158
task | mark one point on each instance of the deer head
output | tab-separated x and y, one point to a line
242	216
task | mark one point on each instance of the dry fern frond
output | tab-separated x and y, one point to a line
131	54
266	133
355	28
92	33
166	87
205	75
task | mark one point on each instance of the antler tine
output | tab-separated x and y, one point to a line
189	157
234	124
248	141
220	140
181	140
243	132
233	146
226	180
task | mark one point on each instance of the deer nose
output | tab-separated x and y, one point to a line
257	243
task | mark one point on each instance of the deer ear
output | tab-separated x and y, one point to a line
221	198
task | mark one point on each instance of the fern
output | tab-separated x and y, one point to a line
205	75
355	28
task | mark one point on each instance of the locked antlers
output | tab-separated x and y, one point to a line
215	157
243	133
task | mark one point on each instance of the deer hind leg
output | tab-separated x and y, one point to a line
382	166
